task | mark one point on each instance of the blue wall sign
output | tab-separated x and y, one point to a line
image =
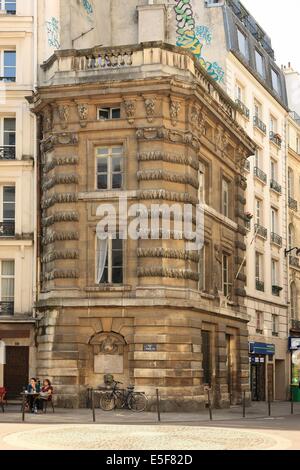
262	348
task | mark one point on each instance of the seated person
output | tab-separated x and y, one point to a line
45	395
33	388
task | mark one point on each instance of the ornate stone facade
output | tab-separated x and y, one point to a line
152	329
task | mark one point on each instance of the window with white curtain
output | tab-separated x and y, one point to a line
109	261
7	281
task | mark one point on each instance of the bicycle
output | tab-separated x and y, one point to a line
121	398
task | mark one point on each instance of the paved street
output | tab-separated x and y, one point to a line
123	430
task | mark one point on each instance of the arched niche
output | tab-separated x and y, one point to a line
109	351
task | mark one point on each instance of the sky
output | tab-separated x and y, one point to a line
281	21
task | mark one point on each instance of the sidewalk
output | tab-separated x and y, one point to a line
84	416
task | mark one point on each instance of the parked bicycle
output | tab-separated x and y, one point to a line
121	398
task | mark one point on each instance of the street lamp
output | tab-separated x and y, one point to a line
286	252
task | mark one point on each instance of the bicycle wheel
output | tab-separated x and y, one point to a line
137	402
107	402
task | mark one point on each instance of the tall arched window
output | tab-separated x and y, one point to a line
294	301
291	236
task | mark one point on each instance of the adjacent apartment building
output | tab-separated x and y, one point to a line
17	192
143	122
238	54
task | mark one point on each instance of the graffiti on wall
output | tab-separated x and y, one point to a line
53	32
194	37
87	6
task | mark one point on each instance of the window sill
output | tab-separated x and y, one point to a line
109	288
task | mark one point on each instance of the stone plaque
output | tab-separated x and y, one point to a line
108	364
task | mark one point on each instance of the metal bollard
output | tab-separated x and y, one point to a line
158	405
244	404
292	404
209	405
93	405
269	407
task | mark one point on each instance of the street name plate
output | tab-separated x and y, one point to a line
150	347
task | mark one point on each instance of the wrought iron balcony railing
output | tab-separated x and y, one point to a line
293	204
275	186
261	231
260	285
7	229
7	309
277	239
294	262
261	175
7	153
276	290
259	124
243	108
276	139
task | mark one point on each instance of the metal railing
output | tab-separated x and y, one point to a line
261	175
7	153
7	229
259	124
243	108
275	138
294	262
276	290
7	309
260	285
275	186
261	231
293	204
277	239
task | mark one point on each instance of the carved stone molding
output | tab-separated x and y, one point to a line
168	253
60	179
58	198
63	114
161	175
60	217
163	234
59	237
83	113
130	109
65	138
169	158
241	156
61	161
47	119
240	245
150	108
175	107
198	119
170	273
108	343
60	274
241	181
221	139
162	194
61	255
162	133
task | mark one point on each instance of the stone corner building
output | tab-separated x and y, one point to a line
147	122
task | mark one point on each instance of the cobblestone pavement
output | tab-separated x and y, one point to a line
158	437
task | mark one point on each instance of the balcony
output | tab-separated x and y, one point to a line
8	79
276	290
7	229
7	153
7	309
293	204
242	108
261	231
259	125
275	186
276	239
260	285
275	139
294	262
261	175
295	324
